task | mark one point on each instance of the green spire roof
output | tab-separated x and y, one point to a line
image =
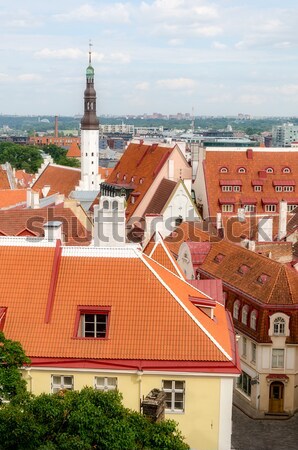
89	71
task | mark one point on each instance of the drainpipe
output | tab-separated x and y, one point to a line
139	379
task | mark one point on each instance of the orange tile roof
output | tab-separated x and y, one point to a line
22	222
159	252
105	172
24	179
4	182
62	179
141	163
11	197
261	160
74	151
148	320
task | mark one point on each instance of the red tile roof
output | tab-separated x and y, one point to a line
74	151
4	182
23	178
159	252
255	167
138	168
161	196
11	197
151	317
24	222
62	179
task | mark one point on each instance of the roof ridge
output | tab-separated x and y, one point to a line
183	306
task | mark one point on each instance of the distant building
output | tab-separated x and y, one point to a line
283	135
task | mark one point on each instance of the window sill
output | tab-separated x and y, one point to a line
179	412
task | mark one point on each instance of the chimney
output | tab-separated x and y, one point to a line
53	230
32	199
56	126
282	222
249	153
110	222
241	214
218	221
265	227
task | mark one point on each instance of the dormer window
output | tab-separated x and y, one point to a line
279	326
236	309
92	322
243	269
286	170
253	320
218	258
269	170
223	170
258	188
263	278
244	315
241	170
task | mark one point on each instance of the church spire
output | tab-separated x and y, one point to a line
89	120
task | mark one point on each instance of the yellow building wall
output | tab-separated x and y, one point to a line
199	423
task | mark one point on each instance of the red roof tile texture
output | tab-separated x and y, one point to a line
61	179
138	168
4	182
161	196
11	197
146	322
74	151
255	169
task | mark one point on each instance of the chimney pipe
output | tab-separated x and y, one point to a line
53	230
282	222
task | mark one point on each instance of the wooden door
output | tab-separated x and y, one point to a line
276	397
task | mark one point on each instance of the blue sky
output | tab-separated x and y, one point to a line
220	57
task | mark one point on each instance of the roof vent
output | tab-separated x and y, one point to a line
249	153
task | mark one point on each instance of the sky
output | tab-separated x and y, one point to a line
220	57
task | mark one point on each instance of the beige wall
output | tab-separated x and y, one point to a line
205	398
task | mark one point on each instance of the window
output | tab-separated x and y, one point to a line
60	382
288	188
253	320
236	308
278	358
263	278
237	188
269	170
223	170
270	208
174	395
244	383
115	205
105	383
244	347
243	269
105	204
290	208
241	170
257	188
286	170
244	315
253	352
249	208
227	208
278	188
92	322
218	258
279	326
226	188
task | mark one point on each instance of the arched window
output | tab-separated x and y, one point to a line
105	204
286	170
269	170
279	325
236	308
223	170
253	319
244	315
241	170
115	205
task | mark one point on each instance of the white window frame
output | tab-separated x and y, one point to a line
96	325
253	352
227	208
270	208
278	358
227	188
291	208
107	384
278	188
244	315
253	320
249	208
244	346
244	383
279	326
241	170
269	170
237	188
236	309
258	188
62	384
173	391
286	170
288	188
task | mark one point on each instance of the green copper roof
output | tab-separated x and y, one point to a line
89	71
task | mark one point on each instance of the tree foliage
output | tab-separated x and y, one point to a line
59	156
19	156
85	420
12	357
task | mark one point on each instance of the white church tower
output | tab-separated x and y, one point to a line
89	135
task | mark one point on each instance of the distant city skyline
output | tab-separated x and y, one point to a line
220	57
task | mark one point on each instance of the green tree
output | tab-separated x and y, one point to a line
84	420
59	156
23	157
12	357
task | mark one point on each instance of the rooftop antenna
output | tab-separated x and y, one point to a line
90	45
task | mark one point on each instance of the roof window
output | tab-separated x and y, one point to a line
241	170
263	278
286	170
92	322
243	269
269	170
223	170
218	258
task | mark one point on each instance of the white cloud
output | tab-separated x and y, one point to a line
251	99
144	86
288	89
218	45
177	84
29	77
116	13
175	42
62	53
4	77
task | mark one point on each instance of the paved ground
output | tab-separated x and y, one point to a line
252	434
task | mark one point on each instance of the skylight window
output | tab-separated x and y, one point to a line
223	170
241	170
243	269
92	322
218	258
286	170
269	170
263	278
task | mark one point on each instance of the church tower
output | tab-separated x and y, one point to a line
89	135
